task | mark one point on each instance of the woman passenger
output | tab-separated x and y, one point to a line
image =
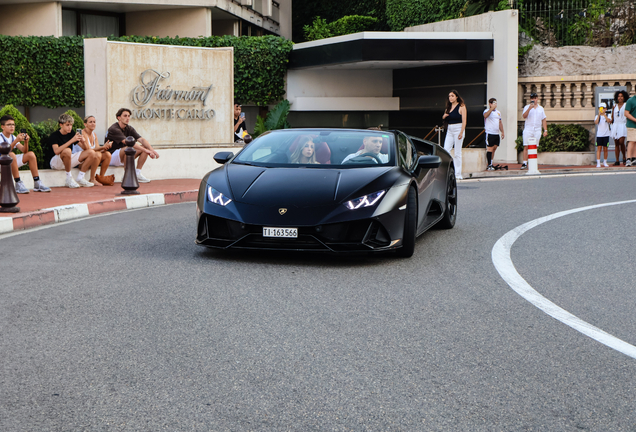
305	152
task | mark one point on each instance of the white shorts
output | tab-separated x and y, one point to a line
58	164
18	159
531	132
115	160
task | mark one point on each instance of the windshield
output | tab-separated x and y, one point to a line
320	148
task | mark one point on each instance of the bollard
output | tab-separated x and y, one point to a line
8	198
533	164
129	183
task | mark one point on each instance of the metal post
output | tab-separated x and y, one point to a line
129	183
8	198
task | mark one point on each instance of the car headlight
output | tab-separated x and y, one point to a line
365	201
217	197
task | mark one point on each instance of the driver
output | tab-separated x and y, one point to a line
372	146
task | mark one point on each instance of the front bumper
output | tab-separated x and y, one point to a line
363	235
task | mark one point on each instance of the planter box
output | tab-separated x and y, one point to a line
473	160
564	158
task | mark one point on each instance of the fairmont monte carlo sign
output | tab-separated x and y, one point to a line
156	101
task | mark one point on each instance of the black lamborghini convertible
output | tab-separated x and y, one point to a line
332	190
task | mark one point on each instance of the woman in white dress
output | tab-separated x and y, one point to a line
619	124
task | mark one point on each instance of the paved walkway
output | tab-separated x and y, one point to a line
62	204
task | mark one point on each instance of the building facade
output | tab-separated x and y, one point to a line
161	18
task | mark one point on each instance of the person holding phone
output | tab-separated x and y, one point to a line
7	123
239	123
61	143
494	131
602	121
535	118
455	124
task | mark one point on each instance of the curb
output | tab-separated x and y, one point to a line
76	211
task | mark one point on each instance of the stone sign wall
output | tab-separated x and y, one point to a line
179	96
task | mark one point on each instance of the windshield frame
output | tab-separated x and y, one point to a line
282	140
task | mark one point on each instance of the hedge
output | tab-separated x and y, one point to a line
562	138
346	25
49	71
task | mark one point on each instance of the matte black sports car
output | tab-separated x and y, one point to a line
334	190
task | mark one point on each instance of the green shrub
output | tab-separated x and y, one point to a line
22	123
78	122
345	25
276	119
562	138
407	13
49	71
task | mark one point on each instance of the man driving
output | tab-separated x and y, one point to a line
372	146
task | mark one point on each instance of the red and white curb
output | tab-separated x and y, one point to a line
64	213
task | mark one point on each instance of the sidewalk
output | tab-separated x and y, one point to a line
547	170
62	204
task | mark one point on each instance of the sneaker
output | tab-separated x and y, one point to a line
598	164
85	183
70	183
459	177
490	168
40	187
628	163
605	164
142	179
21	188
524	166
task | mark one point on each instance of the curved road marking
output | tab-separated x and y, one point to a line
503	263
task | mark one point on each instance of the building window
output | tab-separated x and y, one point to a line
93	23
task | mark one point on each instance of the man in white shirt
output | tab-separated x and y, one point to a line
535	118
372	146
493	125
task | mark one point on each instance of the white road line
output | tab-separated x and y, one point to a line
503	263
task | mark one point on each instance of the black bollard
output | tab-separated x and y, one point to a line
129	183
8	198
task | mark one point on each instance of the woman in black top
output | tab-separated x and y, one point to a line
455	121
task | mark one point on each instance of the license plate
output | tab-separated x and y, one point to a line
280	232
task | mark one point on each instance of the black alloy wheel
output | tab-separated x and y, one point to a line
410	226
450	213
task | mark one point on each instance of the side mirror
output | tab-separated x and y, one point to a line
223	157
428	162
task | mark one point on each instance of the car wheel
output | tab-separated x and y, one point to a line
410	225
450	213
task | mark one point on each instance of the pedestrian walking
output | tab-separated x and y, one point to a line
619	125
493	126
602	122
455	125
535	118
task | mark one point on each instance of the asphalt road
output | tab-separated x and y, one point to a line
120	322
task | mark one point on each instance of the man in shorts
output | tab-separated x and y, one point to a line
602	134
7	123
630	115
535	118
118	132
61	142
493	126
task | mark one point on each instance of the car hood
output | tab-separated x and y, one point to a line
298	187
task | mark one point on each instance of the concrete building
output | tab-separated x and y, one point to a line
161	18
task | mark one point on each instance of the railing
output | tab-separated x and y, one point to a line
569	98
578	22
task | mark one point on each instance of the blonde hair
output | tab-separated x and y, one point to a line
295	157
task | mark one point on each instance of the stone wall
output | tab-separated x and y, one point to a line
578	60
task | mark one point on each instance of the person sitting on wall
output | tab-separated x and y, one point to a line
90	141
118	132
7	123
64	159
